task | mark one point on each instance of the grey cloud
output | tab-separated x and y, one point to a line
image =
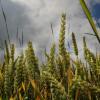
15	16
35	16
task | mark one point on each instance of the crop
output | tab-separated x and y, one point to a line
58	78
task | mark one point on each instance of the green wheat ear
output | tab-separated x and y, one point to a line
19	72
1	82
7	54
74	44
12	48
84	43
62	49
32	62
9	70
89	56
51	60
6	81
25	72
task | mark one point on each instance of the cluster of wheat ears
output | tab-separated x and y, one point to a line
59	78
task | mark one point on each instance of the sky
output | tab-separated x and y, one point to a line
34	17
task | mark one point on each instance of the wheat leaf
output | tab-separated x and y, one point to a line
89	17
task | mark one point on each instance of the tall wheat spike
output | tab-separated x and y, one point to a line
1	82
75	44
32	62
51	61
89	56
25	72
32	67
6	82
62	49
12	48
7	53
51	68
6	70
19	73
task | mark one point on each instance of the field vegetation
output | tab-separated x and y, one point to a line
59	78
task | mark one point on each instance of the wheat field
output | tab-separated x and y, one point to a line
58	78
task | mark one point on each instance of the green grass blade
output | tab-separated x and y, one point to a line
89	17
